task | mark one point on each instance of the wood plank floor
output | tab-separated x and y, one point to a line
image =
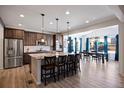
92	75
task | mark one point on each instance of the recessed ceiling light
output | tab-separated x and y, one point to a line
87	21
21	15
51	23
67	12
19	24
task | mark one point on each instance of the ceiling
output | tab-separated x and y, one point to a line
31	21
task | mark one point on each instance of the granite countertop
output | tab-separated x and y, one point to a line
35	52
40	56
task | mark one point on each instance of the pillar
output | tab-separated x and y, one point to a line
106	47
117	49
96	46
87	45
121	48
75	45
81	45
69	44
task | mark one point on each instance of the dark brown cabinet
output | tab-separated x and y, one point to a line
54	42
30	38
60	45
13	33
26	59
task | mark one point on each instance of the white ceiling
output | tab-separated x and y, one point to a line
32	20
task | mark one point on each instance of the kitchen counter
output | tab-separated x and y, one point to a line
26	57
37	61
35	52
39	56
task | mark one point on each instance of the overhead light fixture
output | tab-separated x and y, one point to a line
21	15
51	23
87	21
19	24
57	28
68	31
67	12
42	39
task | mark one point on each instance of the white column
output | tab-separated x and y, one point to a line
121	48
1	46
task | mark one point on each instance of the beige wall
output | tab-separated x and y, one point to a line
1	45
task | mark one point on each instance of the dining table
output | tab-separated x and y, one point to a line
102	54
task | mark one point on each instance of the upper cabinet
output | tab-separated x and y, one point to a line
58	42
13	33
32	39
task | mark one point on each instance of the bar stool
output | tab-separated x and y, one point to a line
48	69
70	64
77	62
60	65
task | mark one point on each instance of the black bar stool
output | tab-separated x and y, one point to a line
48	69
70	64
60	65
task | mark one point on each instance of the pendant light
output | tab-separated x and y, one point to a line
57	29
42	39
68	31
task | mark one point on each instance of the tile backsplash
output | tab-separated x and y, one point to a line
36	48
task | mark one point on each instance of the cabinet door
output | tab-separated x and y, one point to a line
51	40
13	33
30	39
8	33
26	59
19	34
26	38
33	39
39	36
54	42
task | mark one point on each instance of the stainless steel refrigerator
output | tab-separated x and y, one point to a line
13	53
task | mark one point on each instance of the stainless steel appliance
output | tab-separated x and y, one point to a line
13	53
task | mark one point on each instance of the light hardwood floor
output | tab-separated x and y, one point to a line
92	75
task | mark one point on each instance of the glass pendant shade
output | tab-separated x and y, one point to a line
42	40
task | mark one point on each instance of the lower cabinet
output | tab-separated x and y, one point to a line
26	59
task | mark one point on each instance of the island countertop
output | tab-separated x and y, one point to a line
40	56
36	62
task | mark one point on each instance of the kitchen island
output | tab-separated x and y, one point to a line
37	60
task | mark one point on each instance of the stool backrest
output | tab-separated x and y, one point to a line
62	59
71	58
49	60
77	57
